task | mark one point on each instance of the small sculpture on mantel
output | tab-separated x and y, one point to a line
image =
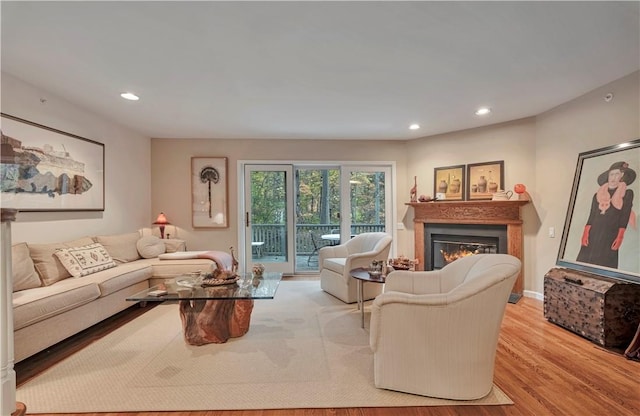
413	193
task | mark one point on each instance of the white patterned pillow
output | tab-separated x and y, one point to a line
81	261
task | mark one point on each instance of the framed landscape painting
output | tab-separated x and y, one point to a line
484	179
44	169
209	194
448	183
601	233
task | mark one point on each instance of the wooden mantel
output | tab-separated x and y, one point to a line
473	212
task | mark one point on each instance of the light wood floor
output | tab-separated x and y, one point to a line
543	368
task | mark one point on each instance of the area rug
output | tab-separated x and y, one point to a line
304	349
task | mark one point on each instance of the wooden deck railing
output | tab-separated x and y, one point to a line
274	236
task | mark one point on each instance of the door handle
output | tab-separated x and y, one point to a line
246	218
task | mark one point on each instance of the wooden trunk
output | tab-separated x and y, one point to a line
601	309
214	321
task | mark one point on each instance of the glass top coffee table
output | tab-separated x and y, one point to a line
213	313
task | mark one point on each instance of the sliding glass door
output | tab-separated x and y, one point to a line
291	211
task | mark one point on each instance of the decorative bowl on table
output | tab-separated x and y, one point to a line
219	277
402	263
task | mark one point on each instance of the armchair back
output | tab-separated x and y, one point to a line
367	242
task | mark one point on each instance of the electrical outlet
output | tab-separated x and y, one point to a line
552	232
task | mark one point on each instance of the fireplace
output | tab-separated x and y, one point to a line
445	243
494	226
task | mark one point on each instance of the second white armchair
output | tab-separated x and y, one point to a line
335	262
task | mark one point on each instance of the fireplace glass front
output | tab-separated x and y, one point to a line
445	243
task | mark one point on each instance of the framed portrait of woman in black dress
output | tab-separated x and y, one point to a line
601	232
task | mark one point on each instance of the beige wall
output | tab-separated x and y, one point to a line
171	187
127	168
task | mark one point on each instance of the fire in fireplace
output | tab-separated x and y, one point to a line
445	243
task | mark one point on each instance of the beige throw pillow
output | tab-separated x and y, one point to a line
47	264
24	273
81	261
150	246
172	245
121	247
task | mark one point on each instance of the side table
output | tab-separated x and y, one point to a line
362	275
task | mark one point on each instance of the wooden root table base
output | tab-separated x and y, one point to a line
21	409
214	321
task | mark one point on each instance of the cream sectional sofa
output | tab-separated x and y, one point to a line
49	304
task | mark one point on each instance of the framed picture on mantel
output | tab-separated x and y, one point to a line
484	179
448	183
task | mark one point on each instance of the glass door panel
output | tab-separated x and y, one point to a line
317	213
369	201
269	233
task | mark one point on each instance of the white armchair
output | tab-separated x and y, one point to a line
436	333
335	262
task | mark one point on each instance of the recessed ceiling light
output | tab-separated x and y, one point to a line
129	96
414	127
483	111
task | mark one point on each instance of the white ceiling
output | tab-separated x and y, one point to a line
318	70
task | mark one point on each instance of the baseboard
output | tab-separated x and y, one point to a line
534	295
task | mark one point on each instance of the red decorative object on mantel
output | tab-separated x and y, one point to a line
521	190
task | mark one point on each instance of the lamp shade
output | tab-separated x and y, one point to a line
162	219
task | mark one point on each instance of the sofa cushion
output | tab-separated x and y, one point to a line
173	244
81	261
121	247
47	264
150	246
24	274
124	275
35	305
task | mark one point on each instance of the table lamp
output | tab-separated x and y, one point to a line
162	221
